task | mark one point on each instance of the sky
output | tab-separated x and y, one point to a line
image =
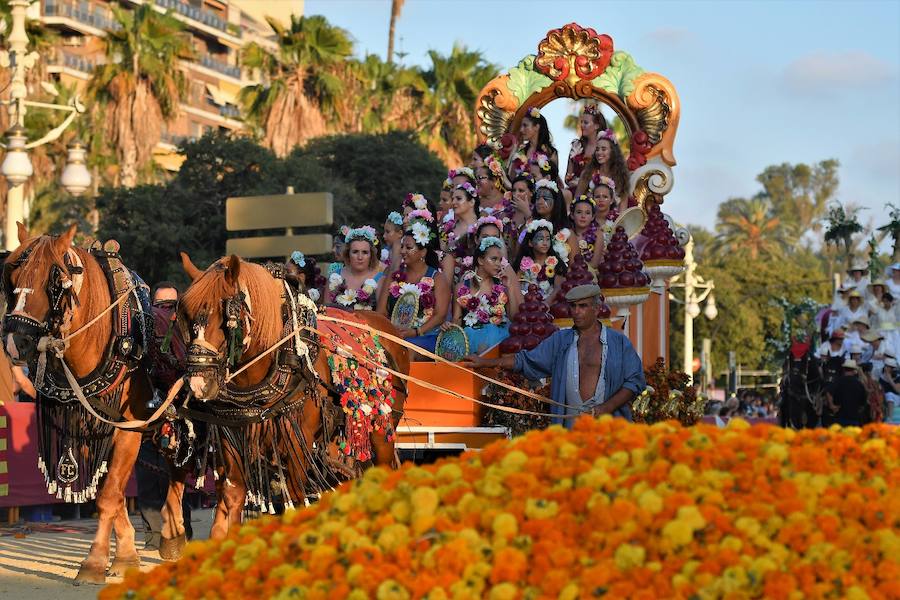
760	83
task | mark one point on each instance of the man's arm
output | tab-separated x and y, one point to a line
23	384
620	398
474	361
534	364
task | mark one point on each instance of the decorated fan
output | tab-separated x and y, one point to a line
452	344
405	311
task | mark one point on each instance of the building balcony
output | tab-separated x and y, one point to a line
75	62
206	17
230	112
81	12
220	67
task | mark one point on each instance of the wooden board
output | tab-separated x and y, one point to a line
427	407
279	212
279	246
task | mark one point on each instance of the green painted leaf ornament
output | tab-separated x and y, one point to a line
619	76
524	80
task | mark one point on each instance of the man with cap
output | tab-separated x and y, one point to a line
835	346
846	398
594	369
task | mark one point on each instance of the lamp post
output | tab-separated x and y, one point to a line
696	290
16	167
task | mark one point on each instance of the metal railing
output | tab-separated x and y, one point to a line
74	61
220	67
229	111
83	13
197	14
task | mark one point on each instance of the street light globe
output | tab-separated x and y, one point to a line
76	178
692	309
16	165
710	311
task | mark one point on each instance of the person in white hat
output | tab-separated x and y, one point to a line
873	351
835	346
858	277
854	311
881	311
893	282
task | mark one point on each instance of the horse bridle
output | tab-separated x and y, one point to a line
63	286
203	359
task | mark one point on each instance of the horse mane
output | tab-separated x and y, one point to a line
207	293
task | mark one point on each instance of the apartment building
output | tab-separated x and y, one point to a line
218	28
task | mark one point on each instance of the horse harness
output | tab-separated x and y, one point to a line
131	325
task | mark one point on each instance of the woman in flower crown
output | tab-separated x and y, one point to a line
393	233
338	245
603	191
484	303
302	274
418	274
534	135
461	175
492	183
355	287
481	152
585	230
454	231
591	123
607	161
416	201
549	205
542	259
445	204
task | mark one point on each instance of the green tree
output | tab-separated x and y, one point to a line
141	84
799	194
302	81
748	227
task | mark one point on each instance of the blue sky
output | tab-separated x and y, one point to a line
760	83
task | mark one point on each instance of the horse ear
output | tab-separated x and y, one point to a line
234	270
22	232
192	271
64	242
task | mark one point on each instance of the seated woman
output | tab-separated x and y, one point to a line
607	161
534	134
542	259
454	231
393	233
419	278
591	123
300	273
585	230
484	304
355	287
521	202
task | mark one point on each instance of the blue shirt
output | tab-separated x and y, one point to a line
623	368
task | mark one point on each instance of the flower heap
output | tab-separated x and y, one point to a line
531	324
579	274
610	509
621	275
663	257
482	309
669	396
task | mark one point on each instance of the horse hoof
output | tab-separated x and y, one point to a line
171	548
90	574
120	565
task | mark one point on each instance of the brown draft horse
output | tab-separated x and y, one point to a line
32	272
288	439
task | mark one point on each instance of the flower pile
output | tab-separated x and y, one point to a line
610	509
480	308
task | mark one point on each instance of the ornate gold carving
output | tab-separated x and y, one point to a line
572	53
493	121
658	111
651	182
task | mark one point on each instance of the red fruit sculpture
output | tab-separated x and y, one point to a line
531	325
663	257
622	279
578	274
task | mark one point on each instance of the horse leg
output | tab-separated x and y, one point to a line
173	532
110	502
232	495
126	554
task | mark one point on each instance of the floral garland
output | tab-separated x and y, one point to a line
396	218
361	299
481	309
541	275
424	291
365	233
494	166
598	180
610	509
542	161
608	134
546	183
487	220
588	242
416	201
464	171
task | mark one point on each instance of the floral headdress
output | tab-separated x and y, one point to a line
540	224
494	166
422	214
415	200
598	180
608	134
546	183
489	242
365	232
395	218
468	188
447	185
344	230
591	109
558	241
542	161
298	259
464	171
584	198
533	112
419	227
488	220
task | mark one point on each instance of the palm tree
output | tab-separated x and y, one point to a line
382	96
141	85
396	7
747	226
454	82
303	81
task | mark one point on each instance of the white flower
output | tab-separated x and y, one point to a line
546	183
448	216
348	298
410	288
369	285
366	409
385	254
335	280
471	319
421	233
313	294
420	203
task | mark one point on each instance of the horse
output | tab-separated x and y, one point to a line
77	321
802	384
267	398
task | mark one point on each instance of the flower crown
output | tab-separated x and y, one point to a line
542	161
420	229
395	218
533	112
420	214
584	198
464	171
447	185
494	166
415	200
546	183
591	109
298	259
468	188
540	224
598	180
489	242
366	232
344	230
608	134
488	220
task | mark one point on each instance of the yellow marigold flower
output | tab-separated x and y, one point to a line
514	460
437	594
619	459
888	542
503	591
245	556
354	573
681	475
597	500
491	487
345	502
540	509
731	543
748	525
854	592
449	472
567	450
651	502
391	590
777	452
356	594
401	511
629	555
594	478
505	525
738	424
678	532
691	515
570	592
392	537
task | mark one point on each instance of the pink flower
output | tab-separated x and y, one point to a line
473	303
426	301
498	289
462	291
526	263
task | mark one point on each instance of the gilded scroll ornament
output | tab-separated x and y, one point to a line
658	110
653	179
572	53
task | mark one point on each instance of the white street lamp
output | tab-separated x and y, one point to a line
711	312
692	284
692	309
76	178
16	165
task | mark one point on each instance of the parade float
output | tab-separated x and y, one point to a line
577	63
